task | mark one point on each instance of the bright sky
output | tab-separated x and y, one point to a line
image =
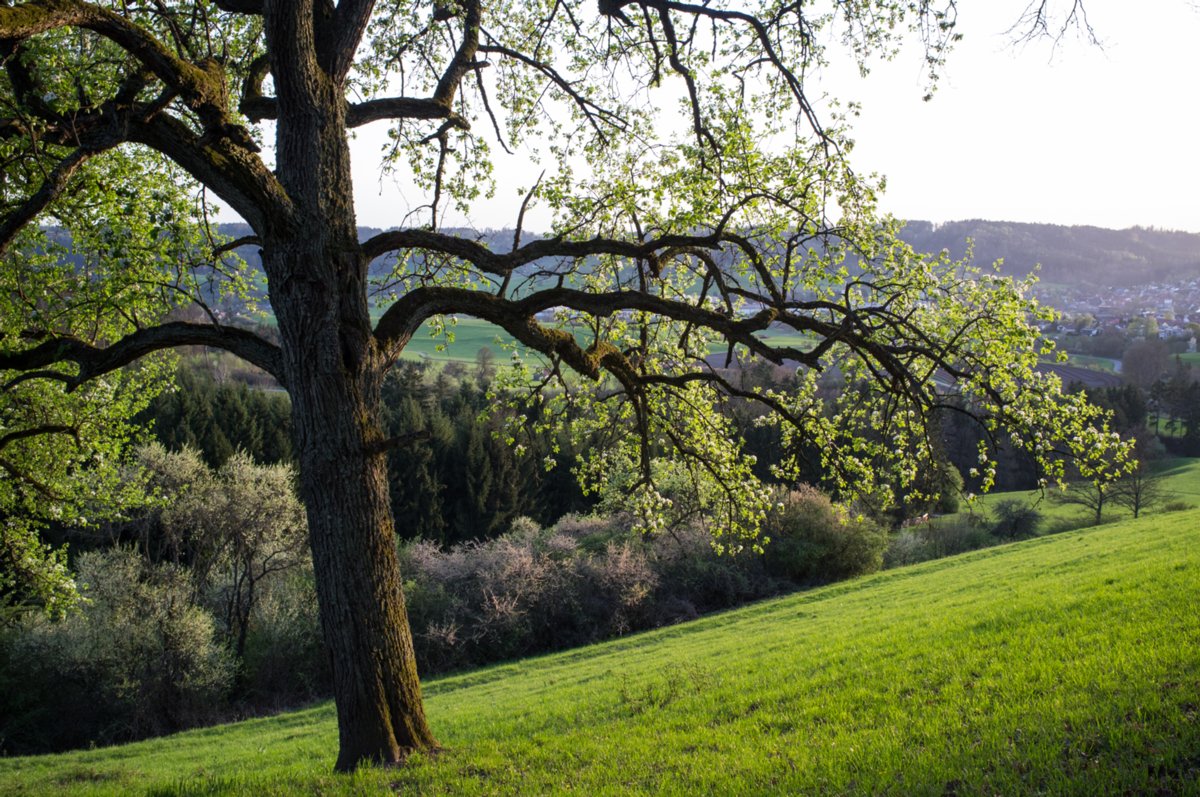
1077	134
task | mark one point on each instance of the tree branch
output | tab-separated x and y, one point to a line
200	87
464	57
52	187
594	113
240	6
237	243
501	264
36	431
235	174
95	361
349	22
361	113
254	105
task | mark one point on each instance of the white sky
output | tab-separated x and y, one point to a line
1076	134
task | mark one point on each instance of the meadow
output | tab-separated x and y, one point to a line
1061	665
1089	361
472	334
1181	485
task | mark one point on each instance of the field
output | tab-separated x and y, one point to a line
1095	363
1063	665
1181	484
471	335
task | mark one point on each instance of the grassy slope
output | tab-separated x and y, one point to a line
1063	665
1182	483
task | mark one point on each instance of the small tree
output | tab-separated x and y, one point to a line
1015	518
1139	490
234	528
1093	495
139	658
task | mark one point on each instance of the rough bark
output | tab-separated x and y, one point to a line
333	369
363	617
333	375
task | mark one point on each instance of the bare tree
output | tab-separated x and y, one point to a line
1140	490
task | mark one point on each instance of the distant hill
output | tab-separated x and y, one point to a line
1069	255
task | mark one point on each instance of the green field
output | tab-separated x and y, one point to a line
1062	665
1182	483
1089	361
471	335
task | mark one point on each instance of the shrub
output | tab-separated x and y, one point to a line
529	590
954	535
592	533
285	661
694	578
139	659
813	541
907	547
1015	519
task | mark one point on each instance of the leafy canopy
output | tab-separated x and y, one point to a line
698	199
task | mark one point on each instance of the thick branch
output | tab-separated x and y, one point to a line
361	113
291	42
240	6
37	431
349	21
95	361
464	57
238	176
513	315
52	187
517	318
254	105
200	87
500	264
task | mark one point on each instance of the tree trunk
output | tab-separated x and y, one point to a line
333	376
363	617
333	371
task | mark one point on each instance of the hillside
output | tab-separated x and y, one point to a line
1078	255
1084	255
1064	665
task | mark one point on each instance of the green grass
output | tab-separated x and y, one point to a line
1182	483
1090	361
1062	665
470	335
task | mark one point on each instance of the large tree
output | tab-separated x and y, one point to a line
698	202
